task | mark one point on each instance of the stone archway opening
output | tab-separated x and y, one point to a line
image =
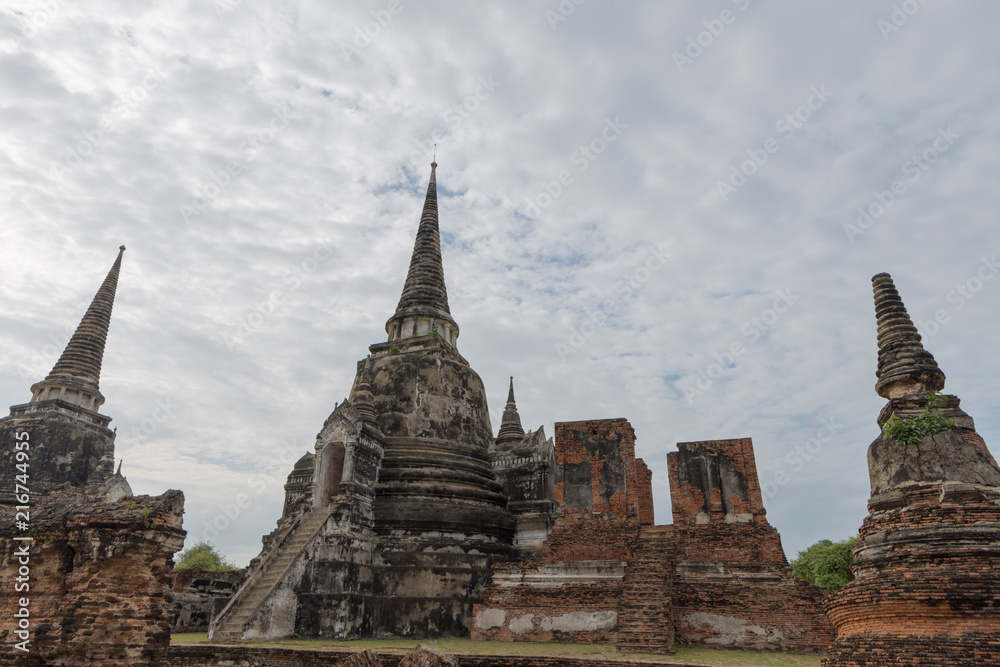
333	467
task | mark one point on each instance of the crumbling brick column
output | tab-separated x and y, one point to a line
98	580
732	584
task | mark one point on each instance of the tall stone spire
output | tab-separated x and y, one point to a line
904	366
510	424
76	376
424	302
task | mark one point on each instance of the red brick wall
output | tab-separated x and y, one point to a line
732	586
644	488
687	499
927	587
596	488
99	580
608	527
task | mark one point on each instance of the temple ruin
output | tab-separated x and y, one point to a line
411	520
85	565
926	565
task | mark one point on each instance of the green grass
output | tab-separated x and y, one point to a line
684	655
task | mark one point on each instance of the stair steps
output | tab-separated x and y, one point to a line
229	626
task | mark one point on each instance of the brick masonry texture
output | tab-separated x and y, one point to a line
99	580
927	587
199	594
732	586
246	656
717	577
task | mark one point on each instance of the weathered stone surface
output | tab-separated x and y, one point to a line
70	440
99	580
524	465
958	455
394	531
198	594
732	586
926	564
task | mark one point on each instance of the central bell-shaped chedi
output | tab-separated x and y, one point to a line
436	486
390	528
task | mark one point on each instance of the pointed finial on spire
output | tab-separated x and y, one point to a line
76	376
423	304
510	423
904	366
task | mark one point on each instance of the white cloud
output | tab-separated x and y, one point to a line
343	173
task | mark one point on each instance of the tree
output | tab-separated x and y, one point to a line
826	564
202	556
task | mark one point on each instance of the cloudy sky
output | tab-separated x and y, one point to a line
664	212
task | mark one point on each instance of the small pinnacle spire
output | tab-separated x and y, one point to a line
364	401
904	366
76	375
510	423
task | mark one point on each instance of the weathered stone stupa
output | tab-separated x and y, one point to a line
71	439
393	531
927	564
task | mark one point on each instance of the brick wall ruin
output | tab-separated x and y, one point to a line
98	577
572	592
717	577
199	595
732	585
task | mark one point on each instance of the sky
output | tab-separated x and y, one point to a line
667	212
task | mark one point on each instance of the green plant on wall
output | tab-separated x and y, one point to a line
910	431
434	333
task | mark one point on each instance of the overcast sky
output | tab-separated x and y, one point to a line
648	210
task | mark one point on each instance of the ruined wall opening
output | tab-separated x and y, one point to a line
333	471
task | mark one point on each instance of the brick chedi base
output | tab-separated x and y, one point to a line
927	563
98	580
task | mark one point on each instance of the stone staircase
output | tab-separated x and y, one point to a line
645	622
229	625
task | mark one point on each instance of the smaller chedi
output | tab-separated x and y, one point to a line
927	563
72	443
